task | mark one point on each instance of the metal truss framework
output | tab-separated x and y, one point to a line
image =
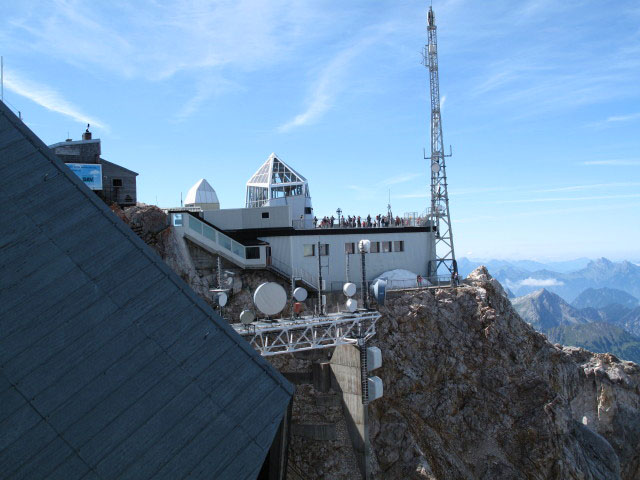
439	209
309	333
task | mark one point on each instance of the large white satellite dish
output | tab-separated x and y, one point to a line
246	317
300	294
435	167
270	298
349	289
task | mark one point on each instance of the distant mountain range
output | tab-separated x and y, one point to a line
569	279
604	297
466	265
610	328
598	337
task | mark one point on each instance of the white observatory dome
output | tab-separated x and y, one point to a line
202	195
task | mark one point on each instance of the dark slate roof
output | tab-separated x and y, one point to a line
110	365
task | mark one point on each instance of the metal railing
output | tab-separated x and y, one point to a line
309	333
298	273
438	281
221	241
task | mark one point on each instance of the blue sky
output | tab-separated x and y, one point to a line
541	103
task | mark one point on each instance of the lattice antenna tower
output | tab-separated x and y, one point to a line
443	254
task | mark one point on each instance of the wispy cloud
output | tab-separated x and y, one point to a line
400	179
569	199
592	186
155	41
615	163
48	98
623	118
540	282
442	100
332	81
206	88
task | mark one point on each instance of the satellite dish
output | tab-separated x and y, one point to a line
435	167
300	294
246	317
222	299
349	289
352	305
364	246
378	290
270	298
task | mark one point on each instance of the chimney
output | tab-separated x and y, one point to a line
87	134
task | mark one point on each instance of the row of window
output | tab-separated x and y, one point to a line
310	249
351	247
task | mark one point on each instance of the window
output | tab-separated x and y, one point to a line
252	253
177	219
307	210
386	247
324	249
375	247
116	182
398	246
350	247
309	250
265	214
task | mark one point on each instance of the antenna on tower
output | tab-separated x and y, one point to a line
443	253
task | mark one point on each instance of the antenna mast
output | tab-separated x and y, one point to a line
443	254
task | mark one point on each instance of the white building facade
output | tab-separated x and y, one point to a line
275	231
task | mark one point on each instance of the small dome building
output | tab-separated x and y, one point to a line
202	195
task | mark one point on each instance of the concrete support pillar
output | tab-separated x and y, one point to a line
346	379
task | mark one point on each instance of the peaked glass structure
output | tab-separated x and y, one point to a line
275	179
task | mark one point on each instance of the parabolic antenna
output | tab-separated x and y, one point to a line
364	246
352	305
379	290
349	289
246	317
270	298
300	294
222	299
435	167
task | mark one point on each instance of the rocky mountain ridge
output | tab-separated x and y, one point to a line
473	392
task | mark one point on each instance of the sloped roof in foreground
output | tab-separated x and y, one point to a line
110	365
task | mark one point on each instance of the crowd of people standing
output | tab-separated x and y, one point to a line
363	222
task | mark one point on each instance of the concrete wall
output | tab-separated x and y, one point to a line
290	250
297	203
244	218
346	375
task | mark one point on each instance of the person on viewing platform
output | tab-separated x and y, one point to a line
315	222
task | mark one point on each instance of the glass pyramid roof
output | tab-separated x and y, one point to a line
275	172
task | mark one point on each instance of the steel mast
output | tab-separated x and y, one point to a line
443	254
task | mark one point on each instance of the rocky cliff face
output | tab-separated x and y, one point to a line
473	392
